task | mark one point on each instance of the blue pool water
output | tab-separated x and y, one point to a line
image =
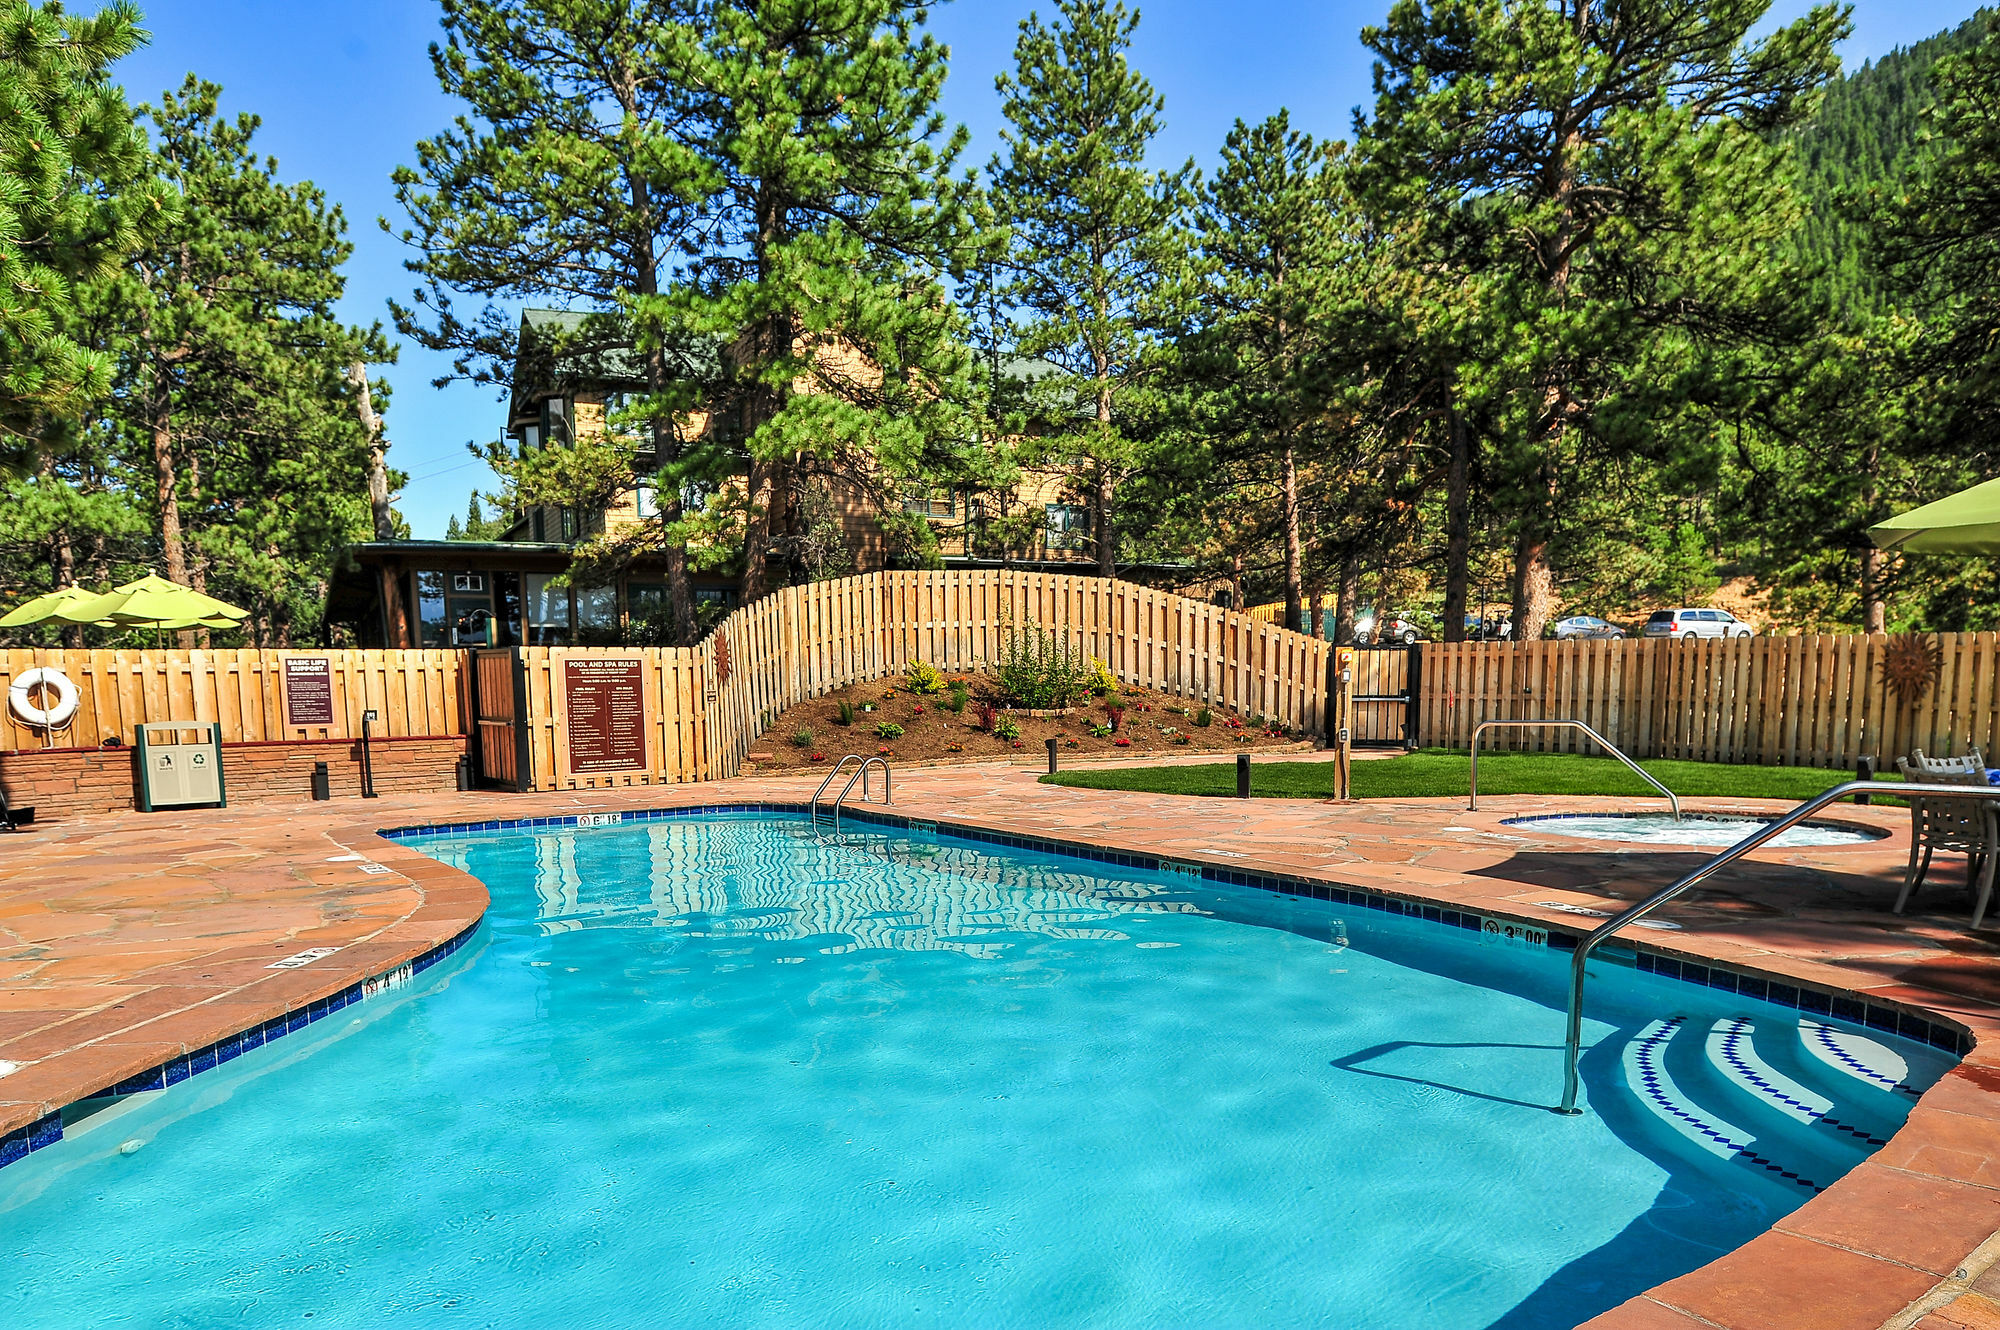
710	1072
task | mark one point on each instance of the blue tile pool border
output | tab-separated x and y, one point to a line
1632	952
18	1144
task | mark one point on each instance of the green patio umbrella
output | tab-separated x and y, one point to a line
153	602
45	606
1968	522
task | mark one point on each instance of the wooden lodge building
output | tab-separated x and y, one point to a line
440	593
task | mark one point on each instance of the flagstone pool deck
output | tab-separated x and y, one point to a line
128	941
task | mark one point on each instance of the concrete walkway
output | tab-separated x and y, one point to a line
127	942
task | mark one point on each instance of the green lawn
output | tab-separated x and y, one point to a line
1437	773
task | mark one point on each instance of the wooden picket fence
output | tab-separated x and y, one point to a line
411	692
696	711
1818	700
705	706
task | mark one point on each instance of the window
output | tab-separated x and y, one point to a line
567	516
548	610
536	526
1662	616
433	623
645	501
1709	616
468	582
596	615
930	503
507	609
531	438
556	420
1068	526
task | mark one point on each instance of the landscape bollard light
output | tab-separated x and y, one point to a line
1052	757
1243	775
1864	769
322	786
367	763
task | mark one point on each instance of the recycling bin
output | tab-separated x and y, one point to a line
177	774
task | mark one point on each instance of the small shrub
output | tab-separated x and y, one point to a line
1038	669
1007	729
1100	731
1122	743
954	748
955	700
884	750
986	714
1102	681
1172	735
1204	718
803	737
815	757
923	678
917	710
1115	712
843	713
888	729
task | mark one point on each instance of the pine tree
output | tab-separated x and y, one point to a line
74	198
232	388
1274	233
1620	161
833	221
765	220
1097	239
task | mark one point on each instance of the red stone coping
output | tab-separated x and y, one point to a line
125	940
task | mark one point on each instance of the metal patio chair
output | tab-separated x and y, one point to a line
1964	826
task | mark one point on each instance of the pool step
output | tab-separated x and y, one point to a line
1647	1075
1802	1101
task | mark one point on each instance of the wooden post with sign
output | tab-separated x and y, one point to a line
1343	722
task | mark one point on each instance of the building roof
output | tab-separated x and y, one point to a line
560	350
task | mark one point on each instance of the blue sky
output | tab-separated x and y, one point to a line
345	90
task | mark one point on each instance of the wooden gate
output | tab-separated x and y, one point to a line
500	708
1386	680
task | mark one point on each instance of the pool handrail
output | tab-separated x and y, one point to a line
1473	804
812	806
862	776
1573	1041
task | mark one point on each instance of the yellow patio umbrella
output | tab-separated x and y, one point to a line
45	606
153	602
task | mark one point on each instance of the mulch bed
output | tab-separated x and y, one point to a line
1153	723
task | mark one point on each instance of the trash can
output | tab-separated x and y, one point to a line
173	774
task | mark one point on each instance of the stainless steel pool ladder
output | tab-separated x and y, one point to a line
864	764
1602	742
1573	1044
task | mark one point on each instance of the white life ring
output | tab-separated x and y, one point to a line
21	697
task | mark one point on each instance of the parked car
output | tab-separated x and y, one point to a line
1369	629
1586	625
1687	624
1492	628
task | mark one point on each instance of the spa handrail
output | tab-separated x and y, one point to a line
812	808
1573	1043
1602	742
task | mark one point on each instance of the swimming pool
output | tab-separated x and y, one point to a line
707	1070
1715	829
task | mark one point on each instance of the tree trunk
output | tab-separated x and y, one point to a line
1288	475
1236	583
159	412
1534	586
1347	598
1314	625
1107	540
1874	611
378	453
62	550
1457	531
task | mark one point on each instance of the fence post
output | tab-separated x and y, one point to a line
1413	692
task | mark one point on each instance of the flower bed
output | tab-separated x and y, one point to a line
927	729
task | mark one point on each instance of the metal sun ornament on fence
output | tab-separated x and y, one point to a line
1911	663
